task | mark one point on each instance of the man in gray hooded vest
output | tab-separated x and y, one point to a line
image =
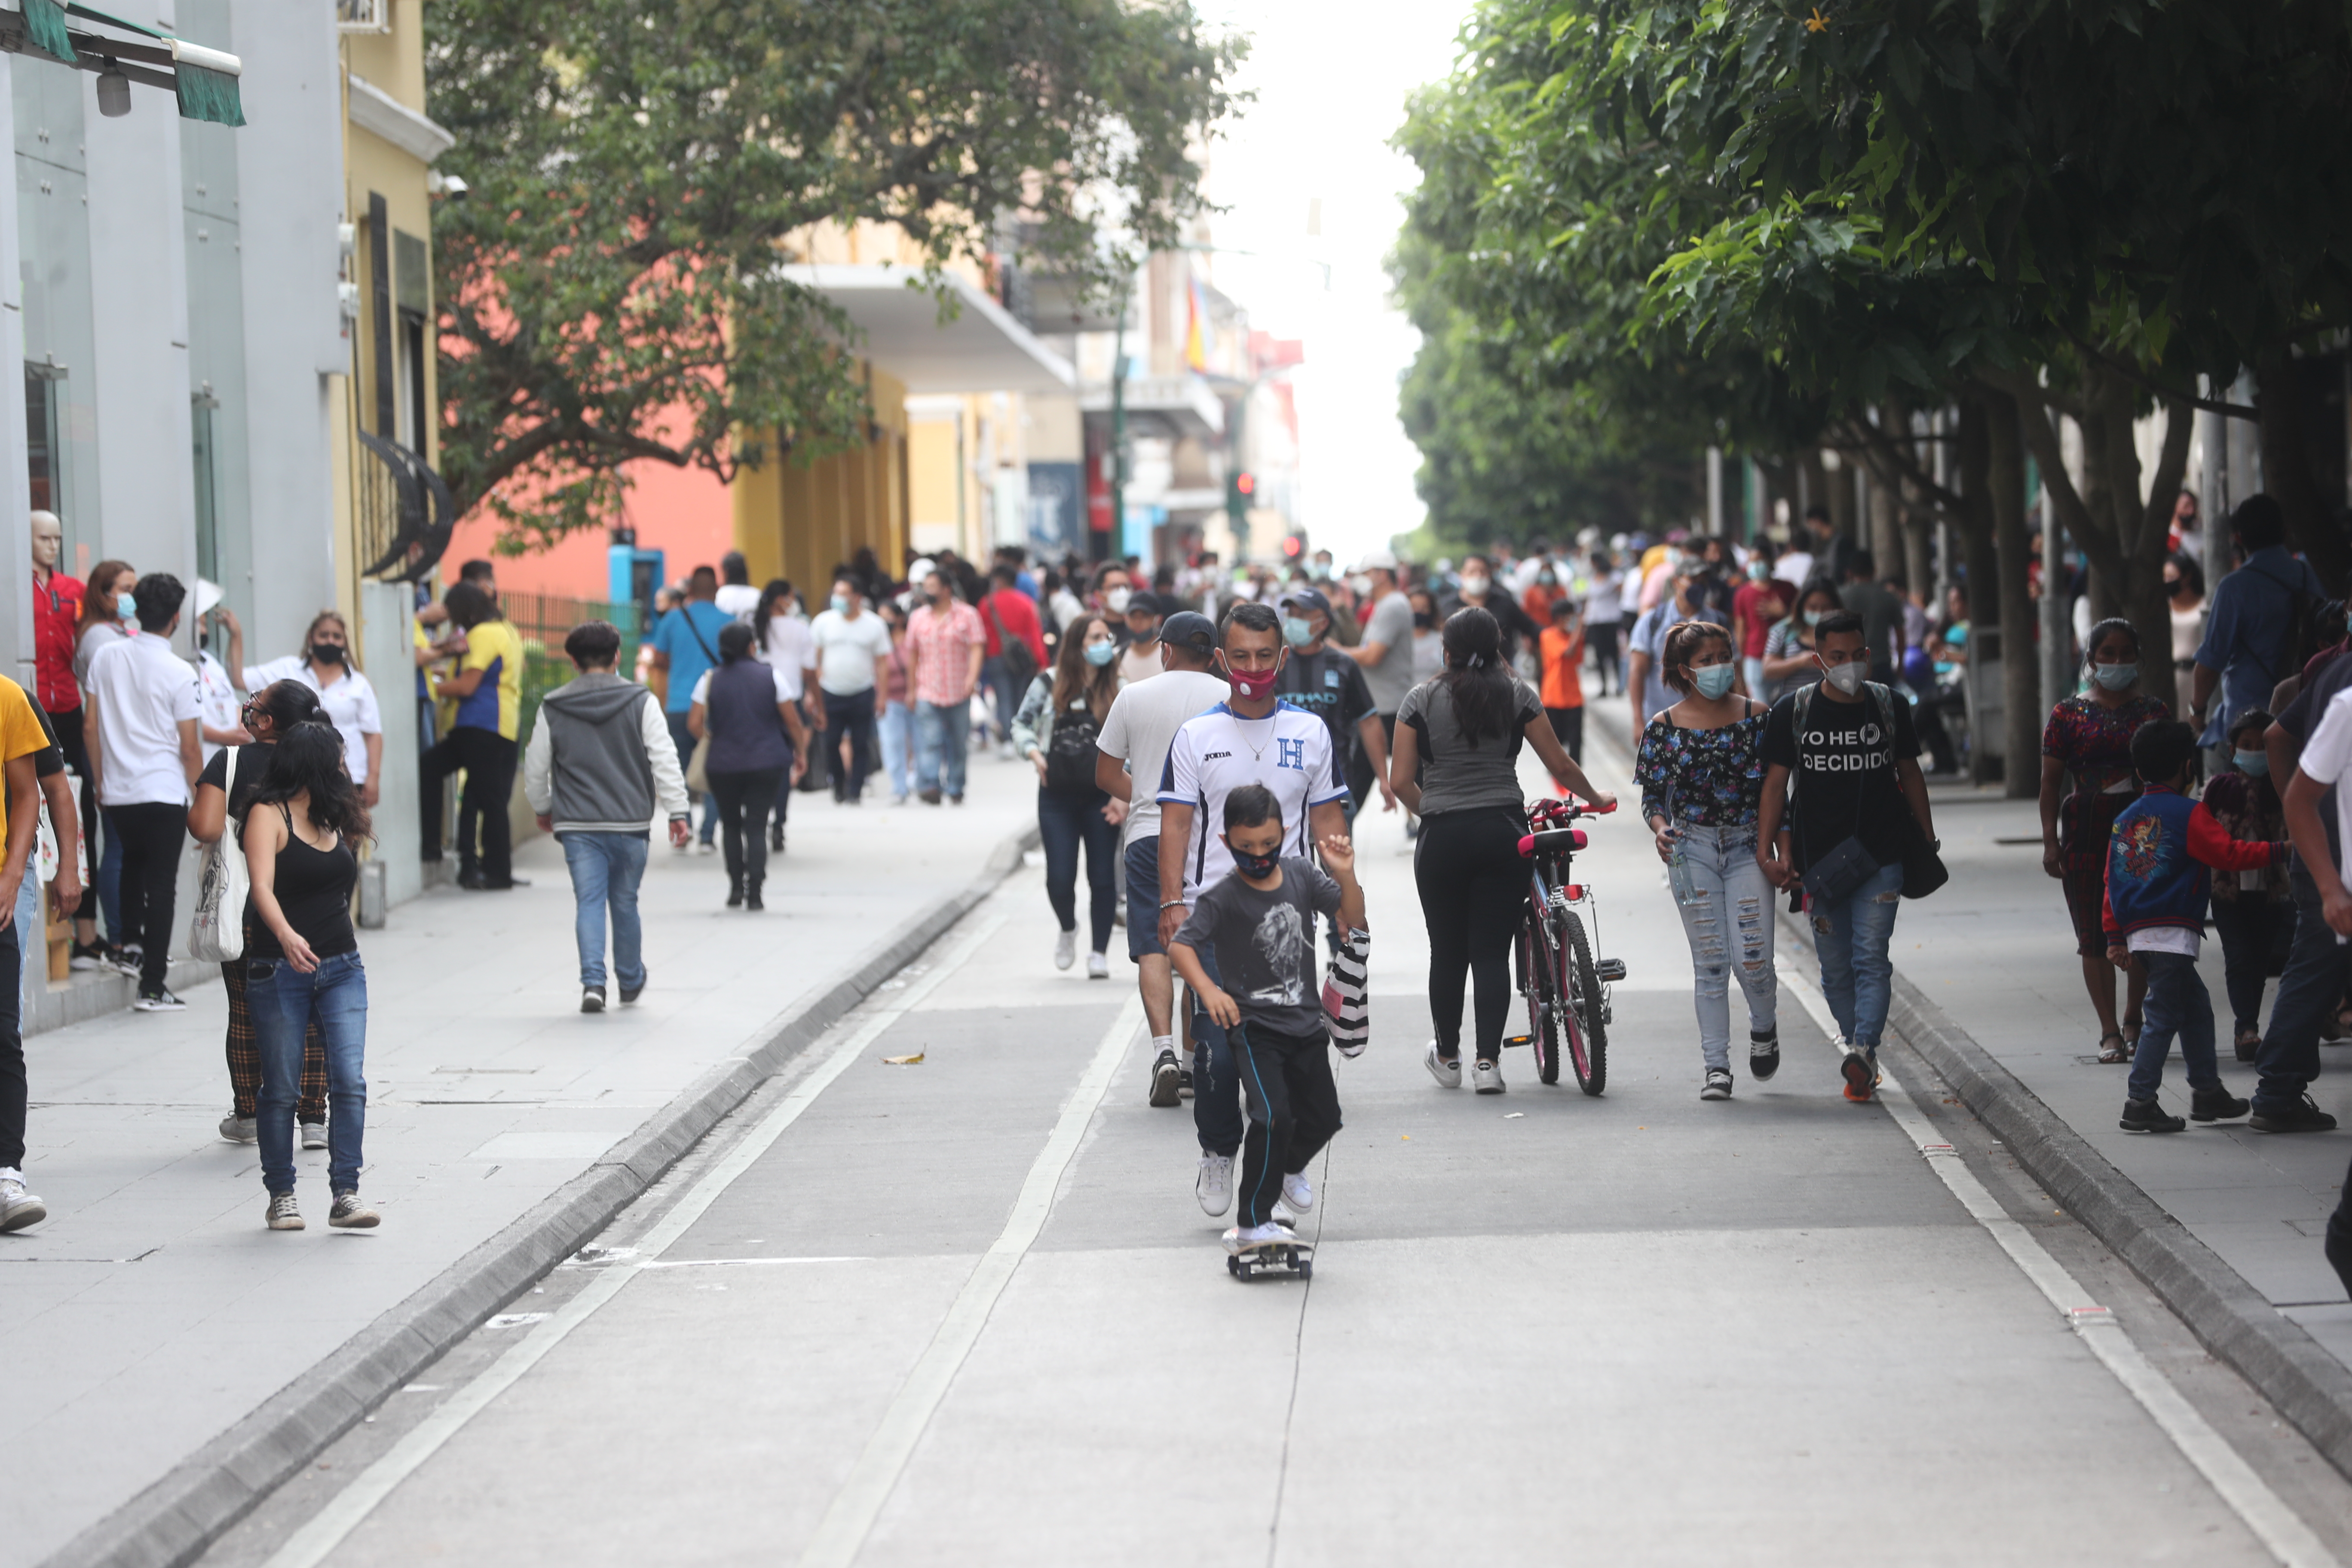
600	762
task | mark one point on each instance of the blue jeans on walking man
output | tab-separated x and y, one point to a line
283	1000
942	737
2177	1003
1850	936
605	870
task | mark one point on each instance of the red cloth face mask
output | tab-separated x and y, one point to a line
1250	684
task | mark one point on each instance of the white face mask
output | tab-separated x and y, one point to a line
1473	587
1847	678
1116	601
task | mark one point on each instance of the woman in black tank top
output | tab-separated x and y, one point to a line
303	963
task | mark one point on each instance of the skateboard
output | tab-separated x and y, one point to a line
1266	1257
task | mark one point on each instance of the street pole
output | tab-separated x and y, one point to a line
1104	547
2057	633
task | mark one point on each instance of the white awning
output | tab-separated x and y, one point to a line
982	349
1183	403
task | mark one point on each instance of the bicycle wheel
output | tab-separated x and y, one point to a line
1588	1037
1535	966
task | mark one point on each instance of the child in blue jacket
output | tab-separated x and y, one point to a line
2160	863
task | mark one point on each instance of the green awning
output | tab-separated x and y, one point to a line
204	81
45	24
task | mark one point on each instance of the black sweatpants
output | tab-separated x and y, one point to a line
743	799
488	760
1567	726
1474	896
151	834
12	1054
1294	1109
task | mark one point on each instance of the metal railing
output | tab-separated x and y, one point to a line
542	621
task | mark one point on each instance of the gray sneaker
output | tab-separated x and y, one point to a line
349	1213
1717	1085
282	1213
238	1129
19	1208
314	1135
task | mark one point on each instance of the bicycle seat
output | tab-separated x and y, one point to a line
1551	841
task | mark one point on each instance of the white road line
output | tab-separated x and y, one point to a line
2281	1531
842	1533
326	1530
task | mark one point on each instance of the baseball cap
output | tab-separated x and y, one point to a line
1377	561
1189	629
1147	601
1310	599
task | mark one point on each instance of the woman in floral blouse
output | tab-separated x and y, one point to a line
1701	773
2253	913
2089	737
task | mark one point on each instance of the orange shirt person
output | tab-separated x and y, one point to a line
1563	653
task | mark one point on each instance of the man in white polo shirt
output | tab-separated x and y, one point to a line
139	715
1252	737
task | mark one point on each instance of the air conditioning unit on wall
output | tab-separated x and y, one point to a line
363	16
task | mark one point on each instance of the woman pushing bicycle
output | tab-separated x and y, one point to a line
1701	773
1456	764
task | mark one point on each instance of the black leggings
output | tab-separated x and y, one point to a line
152	833
488	760
1474	895
744	800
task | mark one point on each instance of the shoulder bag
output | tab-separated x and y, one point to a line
1070	751
216	930
1020	664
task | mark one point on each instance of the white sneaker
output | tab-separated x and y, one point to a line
1065	949
314	1135
1098	966
19	1208
1447	1074
1487	1077
706	847
1214	1187
1298	1192
282	1213
1240	1236
158	1002
238	1129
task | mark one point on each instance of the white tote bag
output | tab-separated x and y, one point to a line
216	933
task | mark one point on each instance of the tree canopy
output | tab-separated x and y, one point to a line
610	291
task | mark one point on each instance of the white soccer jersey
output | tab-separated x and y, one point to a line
1290	751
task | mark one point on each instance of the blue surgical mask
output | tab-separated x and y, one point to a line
1713	679
2256	764
126	608
1101	653
1296	632
840	605
2115	677
1812	617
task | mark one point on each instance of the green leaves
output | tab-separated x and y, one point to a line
640	168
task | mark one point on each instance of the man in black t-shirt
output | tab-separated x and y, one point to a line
1328	684
1849	747
2311	987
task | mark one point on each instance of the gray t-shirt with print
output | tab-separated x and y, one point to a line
1264	944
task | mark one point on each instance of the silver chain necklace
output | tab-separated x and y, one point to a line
1257	754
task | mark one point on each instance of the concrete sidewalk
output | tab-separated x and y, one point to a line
1995	951
152	1311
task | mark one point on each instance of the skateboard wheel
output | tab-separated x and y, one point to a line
1307	1268
1234	1267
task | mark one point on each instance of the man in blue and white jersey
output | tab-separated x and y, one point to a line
1251	738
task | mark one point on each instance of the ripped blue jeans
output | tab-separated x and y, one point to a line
1726	910
1850	936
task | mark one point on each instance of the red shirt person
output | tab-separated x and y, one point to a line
57	609
1006	605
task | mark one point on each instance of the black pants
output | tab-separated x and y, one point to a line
852	716
1067	819
2339	1224
12	1054
1600	637
1294	1109
1474	896
151	834
70	741
487	759
2312	987
2256	934
784	796
1567	724
743	799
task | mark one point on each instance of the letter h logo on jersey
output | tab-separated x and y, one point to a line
1293	754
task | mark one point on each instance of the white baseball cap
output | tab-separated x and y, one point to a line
1377	561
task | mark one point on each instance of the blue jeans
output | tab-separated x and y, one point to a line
1216	1080
942	734
1850	936
898	735
1067	819
2309	991
992	679
605	870
1725	901
31	940
2178	1003
283	1001
1142	863
109	880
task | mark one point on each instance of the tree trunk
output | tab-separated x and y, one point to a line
1982	574
2287	472
2021	671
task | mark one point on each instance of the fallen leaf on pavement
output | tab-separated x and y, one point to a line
902	1061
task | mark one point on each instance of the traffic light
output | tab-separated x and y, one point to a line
1239	488
1292	547
1246	483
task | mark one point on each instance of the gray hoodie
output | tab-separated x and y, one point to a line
601	758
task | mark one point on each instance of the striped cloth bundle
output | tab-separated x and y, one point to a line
1343	994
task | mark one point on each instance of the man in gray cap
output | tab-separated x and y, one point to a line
1133	746
1328	682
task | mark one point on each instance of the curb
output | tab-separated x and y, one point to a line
174	1521
2309	1386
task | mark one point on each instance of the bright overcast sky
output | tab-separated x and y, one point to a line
1331	80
